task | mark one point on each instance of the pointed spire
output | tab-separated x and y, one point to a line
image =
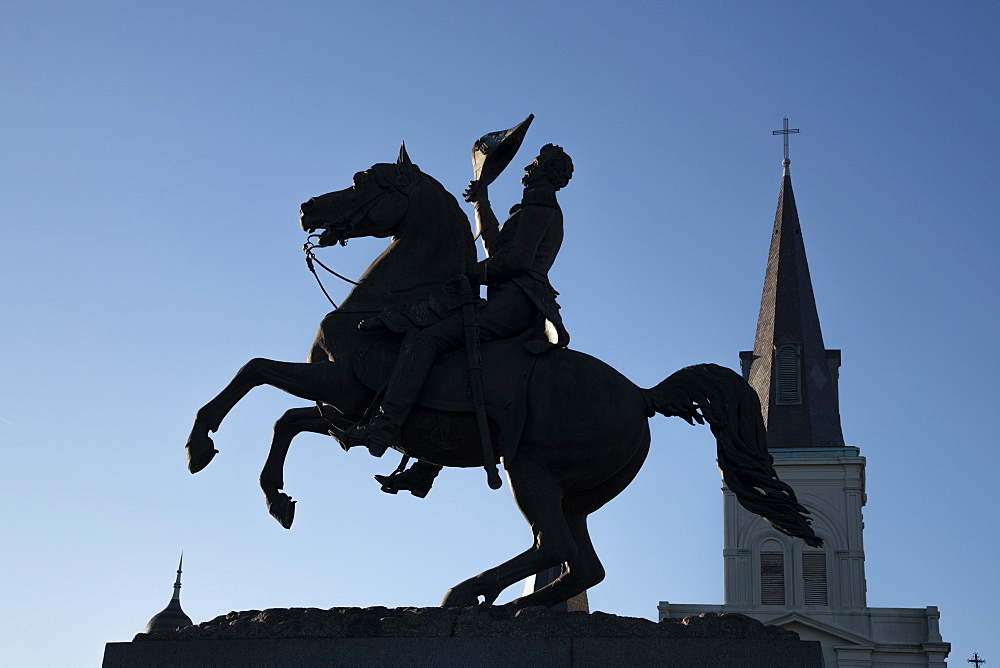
794	375
171	617
177	582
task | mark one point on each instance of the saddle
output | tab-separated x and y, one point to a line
507	366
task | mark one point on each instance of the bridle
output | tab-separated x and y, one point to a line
388	178
397	181
347	221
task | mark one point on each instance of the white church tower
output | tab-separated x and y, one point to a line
817	592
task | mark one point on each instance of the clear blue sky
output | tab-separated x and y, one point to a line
152	159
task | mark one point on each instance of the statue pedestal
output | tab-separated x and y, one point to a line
464	636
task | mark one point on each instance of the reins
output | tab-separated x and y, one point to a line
311	259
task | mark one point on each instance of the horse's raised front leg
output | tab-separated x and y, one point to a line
288	426
540	499
316	381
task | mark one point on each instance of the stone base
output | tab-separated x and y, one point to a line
535	637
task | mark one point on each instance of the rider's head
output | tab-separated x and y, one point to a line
553	166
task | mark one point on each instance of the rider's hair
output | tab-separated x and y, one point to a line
557	163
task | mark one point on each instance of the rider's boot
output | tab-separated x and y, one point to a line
378	435
417	479
382	432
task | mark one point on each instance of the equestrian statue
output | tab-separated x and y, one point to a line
413	360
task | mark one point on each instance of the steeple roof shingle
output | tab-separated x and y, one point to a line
809	416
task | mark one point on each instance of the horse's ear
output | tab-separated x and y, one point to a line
403	158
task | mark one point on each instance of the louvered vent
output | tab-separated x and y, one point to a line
772	578
814	575
789	376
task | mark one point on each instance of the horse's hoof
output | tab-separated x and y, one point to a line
200	451
281	507
460	599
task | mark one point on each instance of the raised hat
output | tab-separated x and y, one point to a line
493	151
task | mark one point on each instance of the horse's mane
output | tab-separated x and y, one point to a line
453	214
409	179
429	246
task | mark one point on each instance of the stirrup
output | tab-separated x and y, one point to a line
416	483
385	480
363	436
396	482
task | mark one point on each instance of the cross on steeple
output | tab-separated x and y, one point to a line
785	132
976	660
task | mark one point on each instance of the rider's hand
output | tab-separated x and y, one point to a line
476	192
476	272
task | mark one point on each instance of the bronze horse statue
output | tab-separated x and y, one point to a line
584	433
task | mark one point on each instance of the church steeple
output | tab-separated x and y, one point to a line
820	593
794	375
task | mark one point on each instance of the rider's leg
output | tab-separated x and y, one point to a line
507	313
416	356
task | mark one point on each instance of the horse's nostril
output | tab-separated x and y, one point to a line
307	206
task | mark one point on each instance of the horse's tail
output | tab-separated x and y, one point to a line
732	409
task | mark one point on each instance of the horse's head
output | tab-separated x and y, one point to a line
374	205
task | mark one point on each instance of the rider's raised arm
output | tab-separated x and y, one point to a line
487	224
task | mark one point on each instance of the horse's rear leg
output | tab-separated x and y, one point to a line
579	573
313	381
584	570
288	426
540	499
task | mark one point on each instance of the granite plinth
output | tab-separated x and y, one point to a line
481	636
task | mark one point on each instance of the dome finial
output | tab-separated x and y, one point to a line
177	582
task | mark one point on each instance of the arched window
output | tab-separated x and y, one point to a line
789	364
772	574
814	577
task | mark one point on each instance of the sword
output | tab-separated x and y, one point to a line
471	326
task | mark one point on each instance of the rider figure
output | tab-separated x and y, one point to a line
519	296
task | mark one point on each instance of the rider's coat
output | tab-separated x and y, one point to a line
524	251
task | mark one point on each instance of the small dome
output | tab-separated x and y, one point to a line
168	619
171	617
